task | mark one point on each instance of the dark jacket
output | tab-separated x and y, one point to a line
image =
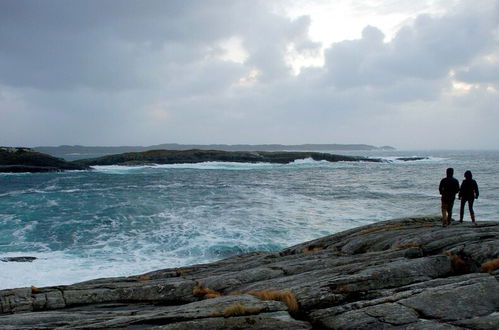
448	188
469	189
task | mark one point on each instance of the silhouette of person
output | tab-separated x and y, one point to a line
467	193
449	187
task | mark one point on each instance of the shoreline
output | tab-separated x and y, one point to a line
405	270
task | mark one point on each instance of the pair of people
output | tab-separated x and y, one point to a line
468	192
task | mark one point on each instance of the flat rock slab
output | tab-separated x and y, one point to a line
409	273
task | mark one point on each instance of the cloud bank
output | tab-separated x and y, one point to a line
147	72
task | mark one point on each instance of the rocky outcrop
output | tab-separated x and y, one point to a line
400	274
199	156
19	160
18	259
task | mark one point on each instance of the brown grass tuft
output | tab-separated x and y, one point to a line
312	248
344	288
35	289
408	245
180	272
459	265
144	278
388	227
490	266
286	297
235	293
205	293
240	310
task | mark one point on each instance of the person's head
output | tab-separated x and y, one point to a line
468	175
450	172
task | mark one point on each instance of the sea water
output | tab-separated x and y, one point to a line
124	220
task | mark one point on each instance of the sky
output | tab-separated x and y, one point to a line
410	74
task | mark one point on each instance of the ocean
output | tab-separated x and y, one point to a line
117	220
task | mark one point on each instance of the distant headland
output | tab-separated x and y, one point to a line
78	149
21	160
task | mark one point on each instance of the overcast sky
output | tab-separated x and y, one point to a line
412	74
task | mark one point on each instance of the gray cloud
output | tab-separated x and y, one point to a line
147	72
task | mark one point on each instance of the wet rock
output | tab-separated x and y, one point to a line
411	159
18	259
407	273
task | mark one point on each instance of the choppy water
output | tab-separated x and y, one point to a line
117	221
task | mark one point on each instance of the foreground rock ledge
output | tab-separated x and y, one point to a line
400	274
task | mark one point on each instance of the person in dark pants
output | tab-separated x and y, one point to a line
467	193
448	188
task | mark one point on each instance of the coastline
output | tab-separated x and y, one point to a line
402	273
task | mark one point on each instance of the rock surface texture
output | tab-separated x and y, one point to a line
400	274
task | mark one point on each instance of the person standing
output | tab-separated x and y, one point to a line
468	193
449	187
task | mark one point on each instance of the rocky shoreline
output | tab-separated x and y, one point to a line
406	273
25	160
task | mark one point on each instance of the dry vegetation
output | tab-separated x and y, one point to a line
180	272
240	310
312	248
459	265
490	266
286	297
388	227
205	293
408	245
144	278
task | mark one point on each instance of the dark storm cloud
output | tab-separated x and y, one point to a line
147	72
98	44
126	44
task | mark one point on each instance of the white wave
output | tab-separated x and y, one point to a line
236	166
411	159
122	169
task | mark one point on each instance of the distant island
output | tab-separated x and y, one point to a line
21	160
77	149
199	156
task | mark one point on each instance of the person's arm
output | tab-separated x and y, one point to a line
441	187
476	189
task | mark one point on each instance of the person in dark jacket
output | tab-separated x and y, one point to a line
448	188
467	193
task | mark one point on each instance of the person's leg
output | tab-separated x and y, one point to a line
461	210
444	212
450	205
472	212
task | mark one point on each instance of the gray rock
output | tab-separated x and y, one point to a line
18	259
407	273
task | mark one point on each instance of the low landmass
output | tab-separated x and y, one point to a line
18	160
77	149
27	160
409	273
199	156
